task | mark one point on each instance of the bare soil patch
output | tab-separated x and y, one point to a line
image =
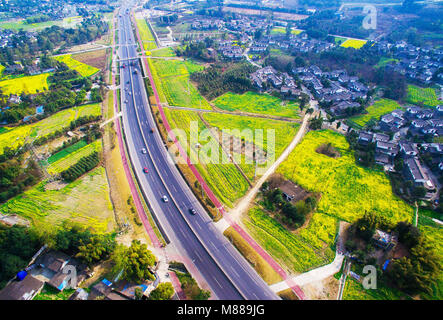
95	58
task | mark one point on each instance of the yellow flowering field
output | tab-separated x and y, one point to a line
27	84
348	190
16	136
85	201
82	68
353	43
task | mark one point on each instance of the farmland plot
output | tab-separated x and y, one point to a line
297	253
375	111
146	35
72	158
353	43
82	68
225	180
15	137
85	201
26	84
283	131
257	103
173	83
163	52
425	96
66	151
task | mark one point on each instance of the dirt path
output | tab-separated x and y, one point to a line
244	203
225	151
320	273
234	113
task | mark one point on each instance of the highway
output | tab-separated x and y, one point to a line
227	273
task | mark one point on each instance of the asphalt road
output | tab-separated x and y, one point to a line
226	272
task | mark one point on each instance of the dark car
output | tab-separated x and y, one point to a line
192	211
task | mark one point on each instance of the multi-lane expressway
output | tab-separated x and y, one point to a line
225	271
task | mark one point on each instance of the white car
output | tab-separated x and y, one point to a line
144	151
165	199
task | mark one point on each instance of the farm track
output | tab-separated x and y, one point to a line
226	152
245	114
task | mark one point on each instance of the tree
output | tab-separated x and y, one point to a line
164	291
408	234
17	245
97	248
316	123
137	261
366	225
138	293
418	192
417	272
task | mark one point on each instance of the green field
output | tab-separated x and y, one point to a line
282	30
16	136
50	293
225	180
173	84
163	52
384	61
425	96
146	36
20	24
339	40
82	68
85	201
16	25
433	233
299	253
27	84
284	132
353	43
348	190
354	291
72	158
66	151
252	102
375	111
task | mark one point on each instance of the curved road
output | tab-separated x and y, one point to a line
226	272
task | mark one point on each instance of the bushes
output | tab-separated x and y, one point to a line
17	246
84	165
293	215
217	80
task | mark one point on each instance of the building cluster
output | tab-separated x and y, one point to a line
47	268
414	121
246	25
304	45
336	87
422	162
230	49
206	24
418	64
60	272
268	77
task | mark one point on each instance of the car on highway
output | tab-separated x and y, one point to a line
152	130
165	199
145	170
144	151
192	211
